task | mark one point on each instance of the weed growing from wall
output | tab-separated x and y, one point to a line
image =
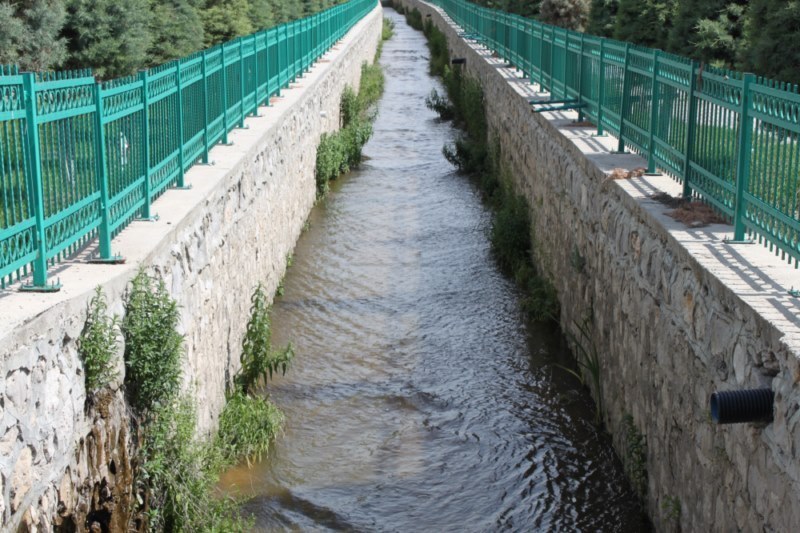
97	345
635	457
472	154
153	347
340	151
259	360
247	427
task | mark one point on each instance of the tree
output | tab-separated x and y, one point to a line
225	19
720	37
644	22
261	14
110	36
602	17
771	29
31	34
570	14
176	28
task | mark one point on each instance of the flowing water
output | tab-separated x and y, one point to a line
419	400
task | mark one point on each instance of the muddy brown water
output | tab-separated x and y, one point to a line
419	399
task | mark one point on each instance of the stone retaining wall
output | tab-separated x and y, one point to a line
677	314
61	460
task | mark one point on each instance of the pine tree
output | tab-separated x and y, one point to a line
688	14
110	36
261	14
772	27
225	19
644	22
176	28
570	14
30	34
602	17
720	37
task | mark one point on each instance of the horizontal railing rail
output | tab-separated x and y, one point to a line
81	159
732	139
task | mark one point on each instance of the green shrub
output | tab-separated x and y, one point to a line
247	427
177	476
97	344
259	360
414	19
153	347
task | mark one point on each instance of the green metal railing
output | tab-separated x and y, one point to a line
81	159
731	139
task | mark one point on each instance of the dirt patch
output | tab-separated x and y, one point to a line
624	174
581	124
693	214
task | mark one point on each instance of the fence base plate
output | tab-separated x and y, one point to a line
113	260
152	218
50	287
743	241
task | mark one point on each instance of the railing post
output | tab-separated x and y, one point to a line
654	96
552	53
204	74
179	124
143	76
35	180
580	80
541	57
743	158
601	91
255	75
691	120
624	104
241	83
224	96
101	166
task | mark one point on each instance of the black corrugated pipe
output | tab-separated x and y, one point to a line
736	406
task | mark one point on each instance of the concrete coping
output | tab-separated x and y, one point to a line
753	272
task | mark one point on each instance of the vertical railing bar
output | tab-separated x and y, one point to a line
691	119
35	163
144	78
743	159
654	96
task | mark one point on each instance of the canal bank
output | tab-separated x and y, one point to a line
61	459
418	397
678	313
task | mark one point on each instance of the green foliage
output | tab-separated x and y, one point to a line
97	344
177	474
602	17
109	36
176	28
340	151
588	359
153	347
570	14
225	19
259	360
511	235
414	19
387	30
635	458
30	34
771	29
437	44
719	38
671	506
644	22
247	427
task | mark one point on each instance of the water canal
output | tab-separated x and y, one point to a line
419	400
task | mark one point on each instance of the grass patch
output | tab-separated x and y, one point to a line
247	427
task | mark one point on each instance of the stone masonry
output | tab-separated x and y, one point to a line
65	461
677	314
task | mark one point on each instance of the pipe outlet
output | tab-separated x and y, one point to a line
738	406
